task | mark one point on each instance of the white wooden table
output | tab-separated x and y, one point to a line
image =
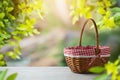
47	73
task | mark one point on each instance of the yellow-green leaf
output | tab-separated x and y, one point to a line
97	69
2	15
3	74
12	76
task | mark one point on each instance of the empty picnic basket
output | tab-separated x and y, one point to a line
81	58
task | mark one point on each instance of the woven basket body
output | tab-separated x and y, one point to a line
81	58
80	65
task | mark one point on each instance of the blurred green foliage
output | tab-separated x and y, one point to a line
16	23
108	12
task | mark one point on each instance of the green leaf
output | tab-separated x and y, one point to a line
35	31
40	15
5	3
10	53
102	77
11	16
22	27
2	63
115	9
2	15
97	69
3	74
9	9
117	19
2	24
17	38
1	56
75	19
12	76
30	33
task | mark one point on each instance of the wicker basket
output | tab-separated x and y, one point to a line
81	58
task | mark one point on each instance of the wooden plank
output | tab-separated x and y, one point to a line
47	73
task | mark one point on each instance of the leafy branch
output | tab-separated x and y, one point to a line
112	71
108	12
16	23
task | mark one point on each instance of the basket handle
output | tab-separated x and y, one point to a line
96	30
